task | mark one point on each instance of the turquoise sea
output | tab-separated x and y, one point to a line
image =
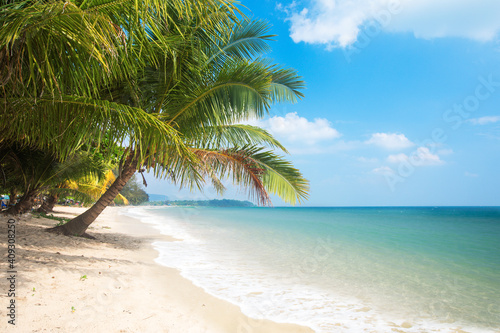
408	269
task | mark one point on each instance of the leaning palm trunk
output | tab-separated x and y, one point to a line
24	204
48	205
78	226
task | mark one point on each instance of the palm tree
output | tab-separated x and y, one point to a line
55	54
58	56
216	84
35	171
86	189
230	83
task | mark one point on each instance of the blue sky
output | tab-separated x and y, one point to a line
402	105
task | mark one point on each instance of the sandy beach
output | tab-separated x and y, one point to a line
110	284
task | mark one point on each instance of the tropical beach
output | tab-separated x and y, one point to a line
347	269
98	92
111	284
249	166
202	269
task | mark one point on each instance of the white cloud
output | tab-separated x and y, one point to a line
485	120
420	157
383	170
331	22
294	128
390	141
339	23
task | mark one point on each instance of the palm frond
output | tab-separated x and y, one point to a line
259	171
239	91
246	40
83	46
56	125
286	85
218	137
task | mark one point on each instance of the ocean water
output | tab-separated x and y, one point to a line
342	269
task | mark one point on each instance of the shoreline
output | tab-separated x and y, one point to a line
110	284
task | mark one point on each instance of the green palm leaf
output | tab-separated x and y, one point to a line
246	40
218	137
259	171
286	85
56	125
239	91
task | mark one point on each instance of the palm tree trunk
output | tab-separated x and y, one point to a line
24	204
12	196
78	225
48	205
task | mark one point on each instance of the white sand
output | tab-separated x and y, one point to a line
111	284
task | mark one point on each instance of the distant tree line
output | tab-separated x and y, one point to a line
201	203
211	203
